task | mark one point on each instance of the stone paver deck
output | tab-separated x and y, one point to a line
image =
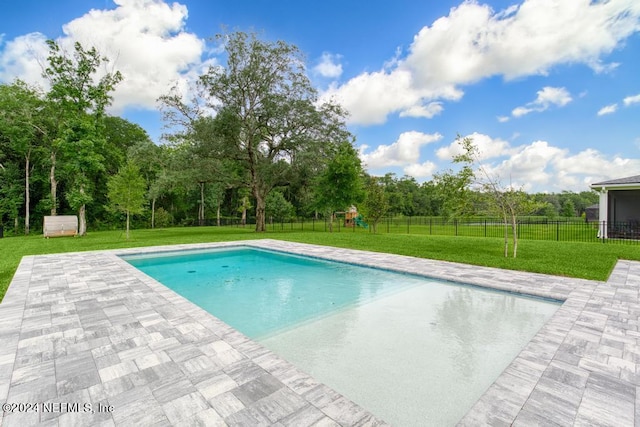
88	328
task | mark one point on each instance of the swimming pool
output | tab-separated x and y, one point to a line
410	349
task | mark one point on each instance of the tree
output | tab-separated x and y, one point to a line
197	170
277	207
267	113
126	191
245	205
454	189
568	209
78	104
22	128
394	196
152	161
340	185
376	204
11	195
509	202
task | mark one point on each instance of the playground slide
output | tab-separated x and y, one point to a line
360	223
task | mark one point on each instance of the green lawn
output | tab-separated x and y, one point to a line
584	260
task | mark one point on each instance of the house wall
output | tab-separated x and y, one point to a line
624	205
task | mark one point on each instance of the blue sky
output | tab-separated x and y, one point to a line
548	89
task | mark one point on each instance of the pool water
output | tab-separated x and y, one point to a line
412	350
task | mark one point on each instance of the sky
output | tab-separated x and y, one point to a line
549	90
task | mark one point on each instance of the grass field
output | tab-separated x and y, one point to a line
583	260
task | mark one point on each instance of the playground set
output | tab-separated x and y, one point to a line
353	219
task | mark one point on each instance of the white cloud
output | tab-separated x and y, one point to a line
487	147
370	97
421	170
547	97
527	166
403	152
473	42
631	100
426	111
329	66
503	119
146	41
540	166
609	109
20	58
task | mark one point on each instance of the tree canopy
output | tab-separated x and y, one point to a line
252	141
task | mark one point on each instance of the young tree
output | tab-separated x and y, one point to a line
126	191
376	203
340	185
78	103
454	189
509	202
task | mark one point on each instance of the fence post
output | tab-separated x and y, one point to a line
408	223
430	225
455	224
557	230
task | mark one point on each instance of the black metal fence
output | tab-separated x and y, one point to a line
531	228
527	228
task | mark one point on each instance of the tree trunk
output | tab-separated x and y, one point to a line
127	234
244	211
54	183
26	195
153	212
15	225
514	230
260	212
82	220
201	210
218	215
506	237
331	223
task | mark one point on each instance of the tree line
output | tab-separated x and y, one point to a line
251	140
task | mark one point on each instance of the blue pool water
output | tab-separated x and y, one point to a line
260	292
412	350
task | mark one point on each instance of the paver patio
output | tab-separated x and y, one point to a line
88	328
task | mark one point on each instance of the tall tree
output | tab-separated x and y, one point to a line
127	191
79	102
21	126
266	111
153	162
11	195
